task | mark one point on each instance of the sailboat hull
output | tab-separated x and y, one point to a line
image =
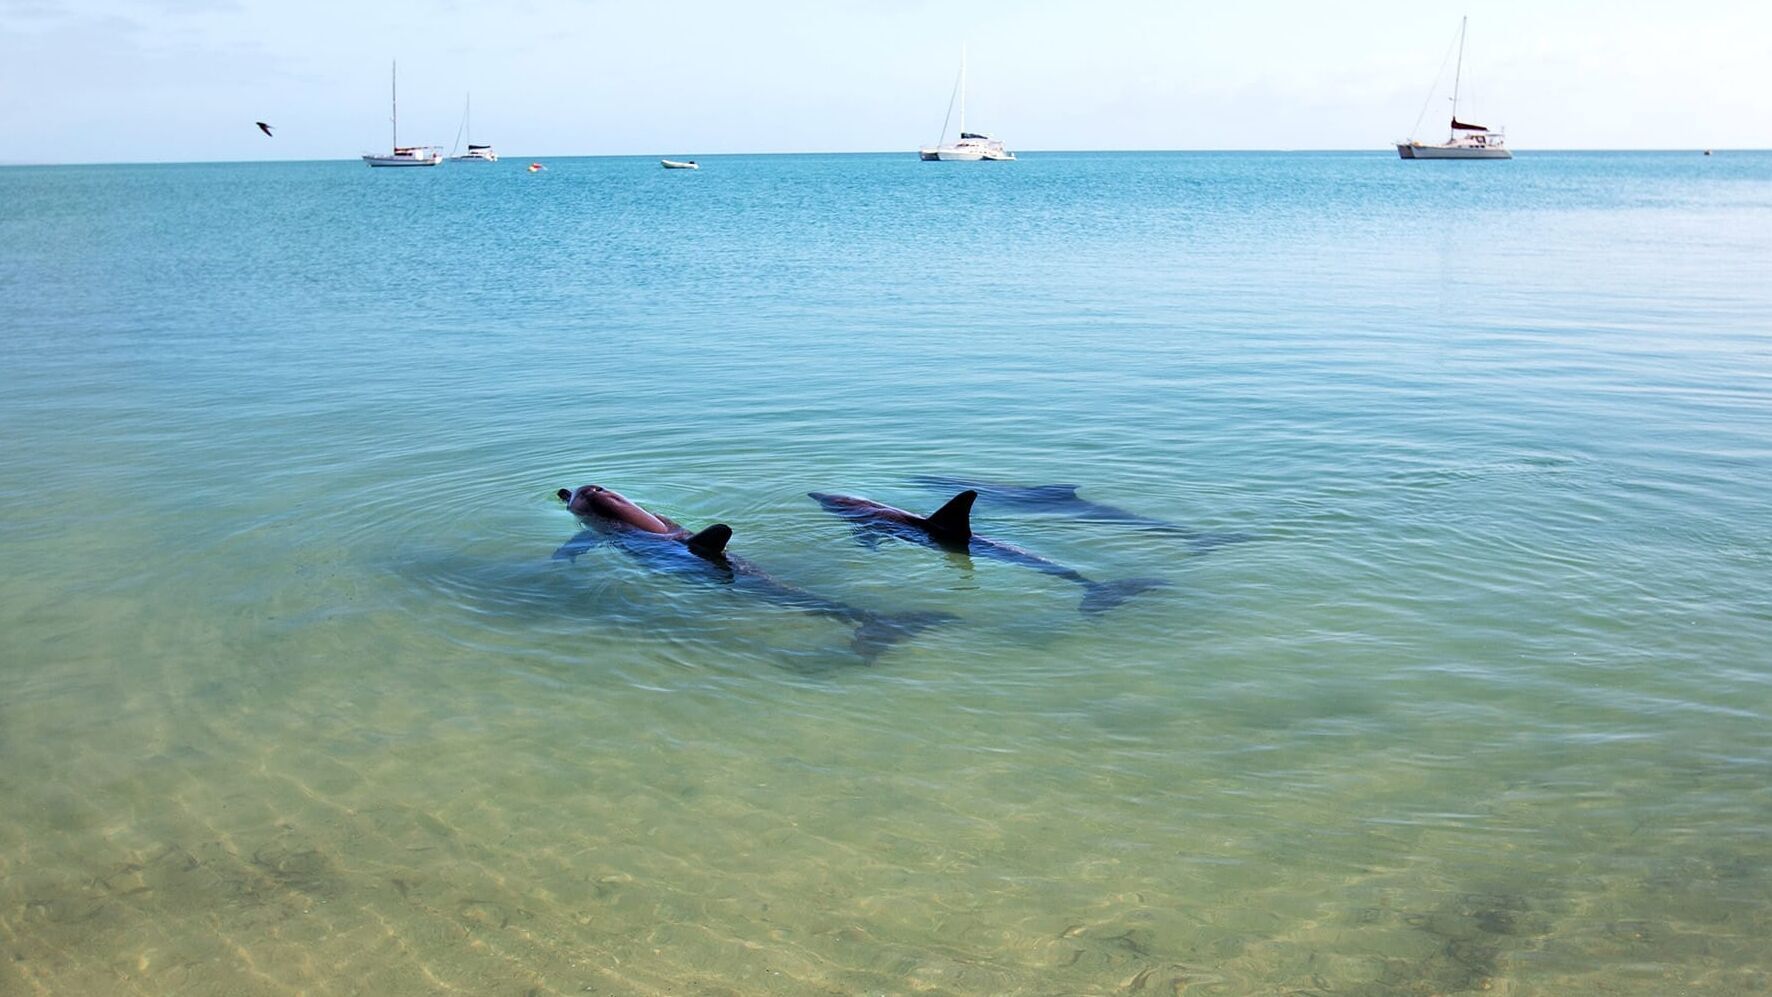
1407	150
959	155
397	161
401	161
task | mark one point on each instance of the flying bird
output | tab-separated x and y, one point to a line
264	128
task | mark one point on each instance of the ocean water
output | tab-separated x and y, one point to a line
1459	680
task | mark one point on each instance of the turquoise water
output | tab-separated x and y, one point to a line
294	699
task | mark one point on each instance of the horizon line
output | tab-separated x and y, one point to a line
1389	149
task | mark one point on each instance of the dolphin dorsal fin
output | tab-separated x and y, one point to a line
711	540
954	520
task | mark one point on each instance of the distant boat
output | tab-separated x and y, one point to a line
403	155
672	164
1467	141
536	167
475	153
972	146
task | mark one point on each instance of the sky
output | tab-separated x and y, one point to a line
184	80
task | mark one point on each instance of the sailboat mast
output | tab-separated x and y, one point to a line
962	91
394	91
1458	74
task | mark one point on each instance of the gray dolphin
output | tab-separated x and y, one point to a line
1063	500
657	542
950	528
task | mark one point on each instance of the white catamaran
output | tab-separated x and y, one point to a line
1467	141
403	155
475	153
972	146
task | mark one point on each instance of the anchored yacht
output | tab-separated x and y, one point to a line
1467	141
475	153
972	146
403	155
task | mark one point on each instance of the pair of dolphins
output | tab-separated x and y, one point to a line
611	518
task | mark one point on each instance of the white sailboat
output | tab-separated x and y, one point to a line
403	155
1467	141
475	153
972	146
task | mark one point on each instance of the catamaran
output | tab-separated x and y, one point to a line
1467	141
475	153
403	155
972	146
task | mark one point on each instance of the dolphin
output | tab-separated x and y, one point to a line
950	528
611	518
1064	500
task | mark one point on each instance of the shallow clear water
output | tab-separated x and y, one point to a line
293	698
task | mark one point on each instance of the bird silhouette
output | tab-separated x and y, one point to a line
264	128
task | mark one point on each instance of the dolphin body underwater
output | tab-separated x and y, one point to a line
950	528
1063	500
655	541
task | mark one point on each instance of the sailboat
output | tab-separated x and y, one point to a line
972	146
403	155
475	153
1467	141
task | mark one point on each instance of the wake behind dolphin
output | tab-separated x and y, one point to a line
950	528
657	542
1063	500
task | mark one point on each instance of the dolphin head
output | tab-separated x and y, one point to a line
599	503
832	503
595	500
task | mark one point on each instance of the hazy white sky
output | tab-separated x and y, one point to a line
113	80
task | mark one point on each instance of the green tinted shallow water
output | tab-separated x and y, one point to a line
292	698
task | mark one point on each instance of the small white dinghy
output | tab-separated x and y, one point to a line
672	164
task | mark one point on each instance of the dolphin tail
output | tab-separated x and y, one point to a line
1100	597
877	632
